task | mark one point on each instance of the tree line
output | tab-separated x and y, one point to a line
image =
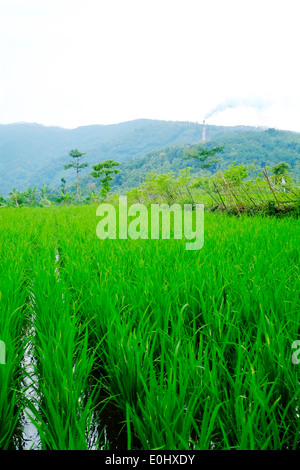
40	195
237	188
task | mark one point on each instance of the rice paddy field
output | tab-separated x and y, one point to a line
141	344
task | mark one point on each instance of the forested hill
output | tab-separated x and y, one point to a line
32	154
267	147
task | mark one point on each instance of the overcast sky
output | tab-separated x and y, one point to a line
79	62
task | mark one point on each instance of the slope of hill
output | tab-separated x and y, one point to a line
31	153
267	147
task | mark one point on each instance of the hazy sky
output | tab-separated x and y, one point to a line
80	62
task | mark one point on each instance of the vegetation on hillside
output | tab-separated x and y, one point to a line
264	149
31	154
236	189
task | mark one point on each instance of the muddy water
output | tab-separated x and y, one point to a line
106	430
30	436
27	436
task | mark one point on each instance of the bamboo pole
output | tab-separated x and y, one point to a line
231	195
207	192
269	183
249	197
219	195
190	194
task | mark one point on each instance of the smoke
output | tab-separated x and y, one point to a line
258	104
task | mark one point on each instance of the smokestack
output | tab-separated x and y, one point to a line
203	132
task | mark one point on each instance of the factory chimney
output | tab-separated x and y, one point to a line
203	132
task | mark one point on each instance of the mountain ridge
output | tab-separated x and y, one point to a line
32	153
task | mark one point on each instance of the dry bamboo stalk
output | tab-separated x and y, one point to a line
219	195
269	183
207	192
249	197
238	197
190	194
231	195
291	191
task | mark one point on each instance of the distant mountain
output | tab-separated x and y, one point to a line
267	148
32	154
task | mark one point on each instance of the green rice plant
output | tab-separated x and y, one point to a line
223	303
192	349
64	362
15	260
64	409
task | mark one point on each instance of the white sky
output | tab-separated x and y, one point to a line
79	62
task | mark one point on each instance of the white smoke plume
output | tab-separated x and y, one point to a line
233	103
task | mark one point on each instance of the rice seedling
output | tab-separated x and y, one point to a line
144	297
192	349
15	259
64	362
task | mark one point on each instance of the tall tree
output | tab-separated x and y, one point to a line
44	201
104	171
16	197
280	171
63	185
30	195
204	157
77	165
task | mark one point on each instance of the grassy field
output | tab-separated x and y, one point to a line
141	344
